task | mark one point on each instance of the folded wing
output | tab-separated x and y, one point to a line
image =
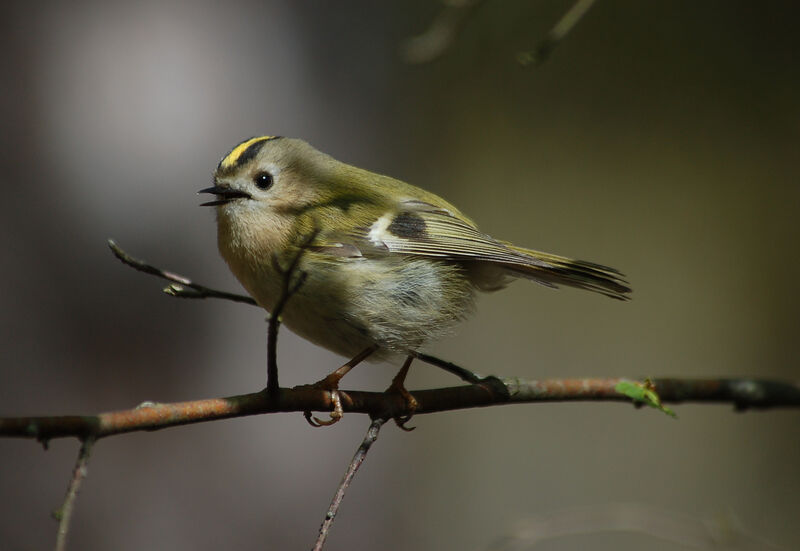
421	229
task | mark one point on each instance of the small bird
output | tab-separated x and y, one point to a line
388	266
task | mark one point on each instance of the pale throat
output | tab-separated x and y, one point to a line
248	237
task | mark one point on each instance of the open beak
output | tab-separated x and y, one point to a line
224	195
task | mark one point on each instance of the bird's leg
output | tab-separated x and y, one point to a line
331	384
398	386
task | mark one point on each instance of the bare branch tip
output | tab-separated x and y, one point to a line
118	252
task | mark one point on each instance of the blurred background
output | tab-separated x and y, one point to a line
660	138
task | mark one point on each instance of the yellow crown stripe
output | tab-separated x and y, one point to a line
233	157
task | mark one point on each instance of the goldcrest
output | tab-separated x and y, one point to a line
391	266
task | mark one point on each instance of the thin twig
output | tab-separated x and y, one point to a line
460	372
355	463
542	51
181	287
64	513
288	288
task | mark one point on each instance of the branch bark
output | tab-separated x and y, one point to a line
743	394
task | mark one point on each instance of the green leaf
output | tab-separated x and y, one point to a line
643	393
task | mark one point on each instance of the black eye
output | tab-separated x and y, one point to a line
263	180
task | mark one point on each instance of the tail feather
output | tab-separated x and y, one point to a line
553	270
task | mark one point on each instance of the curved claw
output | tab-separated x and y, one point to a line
397	387
310	419
326	423
401	422
336	414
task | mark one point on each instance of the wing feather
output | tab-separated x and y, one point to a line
419	228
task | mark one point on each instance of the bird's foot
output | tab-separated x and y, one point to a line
330	384
398	387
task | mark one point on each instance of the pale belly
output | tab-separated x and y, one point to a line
348	305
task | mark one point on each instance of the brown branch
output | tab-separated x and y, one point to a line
742	393
64	513
355	463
